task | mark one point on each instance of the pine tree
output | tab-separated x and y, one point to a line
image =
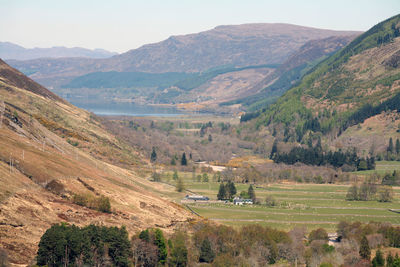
397	146
221	192
210	138
183	160
153	156
159	241
251	193
365	251
378	260
206	252
231	189
390	147
145	235
173	161
274	149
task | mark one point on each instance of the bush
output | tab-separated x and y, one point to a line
101	203
270	201
385	194
104	204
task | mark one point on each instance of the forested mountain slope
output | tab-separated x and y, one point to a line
358	82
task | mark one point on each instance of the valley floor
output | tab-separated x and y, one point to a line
298	205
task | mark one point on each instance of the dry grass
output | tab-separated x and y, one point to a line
33	135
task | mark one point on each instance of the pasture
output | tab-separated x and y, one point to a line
297	205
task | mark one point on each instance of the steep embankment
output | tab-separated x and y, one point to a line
50	151
360	81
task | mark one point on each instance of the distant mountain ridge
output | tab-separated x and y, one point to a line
233	45
13	51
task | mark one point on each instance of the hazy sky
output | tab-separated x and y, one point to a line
119	25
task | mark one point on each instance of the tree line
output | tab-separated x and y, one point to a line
218	246
315	156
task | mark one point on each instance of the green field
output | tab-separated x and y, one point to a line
383	167
309	205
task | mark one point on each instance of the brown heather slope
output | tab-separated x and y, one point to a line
36	133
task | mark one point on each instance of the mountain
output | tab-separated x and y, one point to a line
58	163
12	51
237	45
230	46
358	82
291	71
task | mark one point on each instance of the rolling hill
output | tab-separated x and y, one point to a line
358	82
13	51
51	155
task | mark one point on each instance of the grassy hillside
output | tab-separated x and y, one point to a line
53	154
335	91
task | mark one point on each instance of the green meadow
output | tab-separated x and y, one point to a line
297	205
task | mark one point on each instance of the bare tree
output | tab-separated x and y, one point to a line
2	109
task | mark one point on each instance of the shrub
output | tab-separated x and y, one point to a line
270	201
385	194
101	203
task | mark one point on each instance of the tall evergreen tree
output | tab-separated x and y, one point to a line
221	192
153	156
145	235
274	149
159	241
397	146
183	160
378	260
231	189
390	147
365	251
251	193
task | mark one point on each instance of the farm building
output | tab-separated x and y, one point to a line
196	198
241	201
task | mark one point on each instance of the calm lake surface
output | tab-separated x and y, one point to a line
128	109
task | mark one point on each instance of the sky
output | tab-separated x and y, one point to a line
121	25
